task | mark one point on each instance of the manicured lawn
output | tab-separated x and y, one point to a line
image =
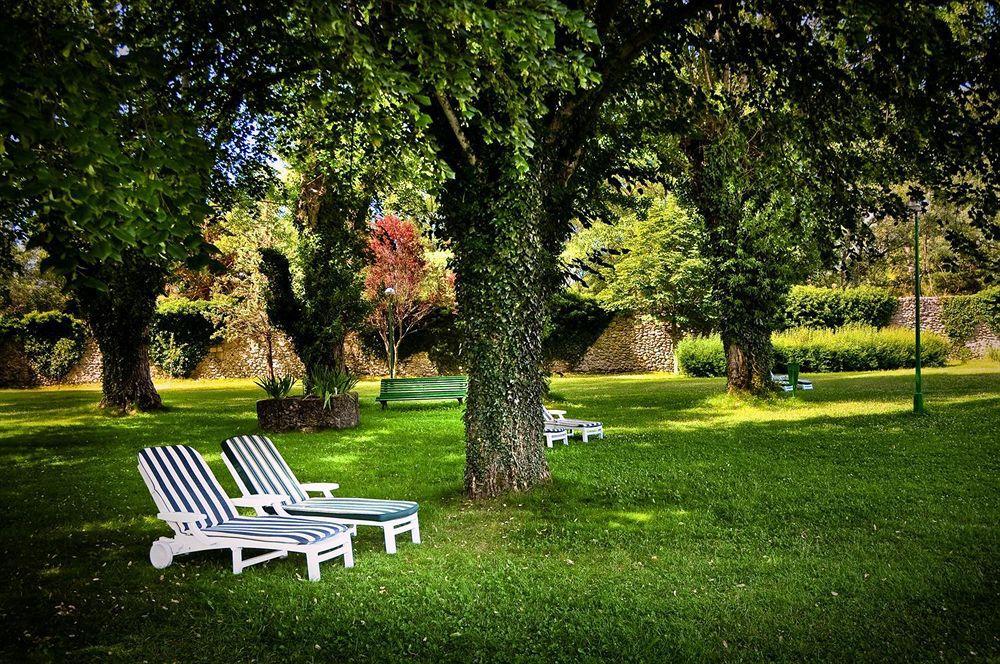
832	527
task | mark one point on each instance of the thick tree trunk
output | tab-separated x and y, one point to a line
748	360
501	293
119	319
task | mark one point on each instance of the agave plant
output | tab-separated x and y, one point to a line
328	383
276	387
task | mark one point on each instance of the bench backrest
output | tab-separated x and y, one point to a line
435	386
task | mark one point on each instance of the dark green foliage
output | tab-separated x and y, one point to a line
990	299
182	333
702	356
10	327
574	324
963	314
333	251
810	306
851	348
276	387
53	342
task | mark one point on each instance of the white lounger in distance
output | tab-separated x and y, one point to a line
554	434
195	506
260	470
557	418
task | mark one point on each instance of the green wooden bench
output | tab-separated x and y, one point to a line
423	389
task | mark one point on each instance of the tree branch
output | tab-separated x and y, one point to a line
456	128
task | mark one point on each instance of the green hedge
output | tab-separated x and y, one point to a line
182	332
810	306
857	348
702	356
851	348
52	340
962	314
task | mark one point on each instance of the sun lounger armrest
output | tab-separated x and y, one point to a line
326	488
558	414
262	500
181	517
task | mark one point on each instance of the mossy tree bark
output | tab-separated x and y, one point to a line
119	318
501	294
748	248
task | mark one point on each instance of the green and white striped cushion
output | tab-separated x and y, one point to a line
355	509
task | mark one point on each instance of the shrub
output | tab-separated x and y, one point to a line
574	323
10	328
961	315
702	356
851	348
810	306
53	341
990	299
857	348
182	332
994	353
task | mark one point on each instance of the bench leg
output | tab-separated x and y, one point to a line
415	533
384	404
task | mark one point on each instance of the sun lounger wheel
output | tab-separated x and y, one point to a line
160	555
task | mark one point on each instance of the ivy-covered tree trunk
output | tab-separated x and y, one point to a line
749	251
748	359
500	291
119	319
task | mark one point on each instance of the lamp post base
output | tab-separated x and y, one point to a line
918	403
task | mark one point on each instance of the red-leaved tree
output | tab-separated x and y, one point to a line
400	262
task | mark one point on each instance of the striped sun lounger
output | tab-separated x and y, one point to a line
586	428
195	506
555	435
260	470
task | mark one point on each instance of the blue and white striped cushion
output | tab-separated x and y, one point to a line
186	483
261	467
356	509
575	424
277	529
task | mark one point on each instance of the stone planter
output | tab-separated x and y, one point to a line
308	414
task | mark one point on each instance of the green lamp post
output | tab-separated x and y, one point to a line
917	207
391	324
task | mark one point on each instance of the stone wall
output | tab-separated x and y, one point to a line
233	358
630	344
930	319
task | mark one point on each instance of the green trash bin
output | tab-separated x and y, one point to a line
793	375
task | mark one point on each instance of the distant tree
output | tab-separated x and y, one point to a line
331	254
240	236
400	261
122	124
650	261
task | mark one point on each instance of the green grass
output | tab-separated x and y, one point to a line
835	526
